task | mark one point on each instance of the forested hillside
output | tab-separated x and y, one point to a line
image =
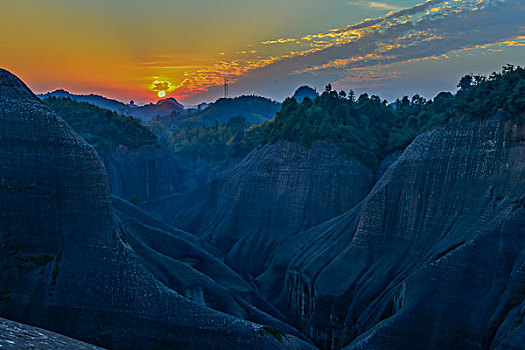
102	128
365	128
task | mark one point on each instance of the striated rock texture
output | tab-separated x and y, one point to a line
147	173
276	191
14	335
194	269
433	258
64	261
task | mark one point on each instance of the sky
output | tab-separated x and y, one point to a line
144	50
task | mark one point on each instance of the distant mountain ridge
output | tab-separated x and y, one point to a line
147	112
255	109
305	91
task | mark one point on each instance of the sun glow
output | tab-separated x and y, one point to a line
161	94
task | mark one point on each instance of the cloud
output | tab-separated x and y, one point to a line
278	41
428	31
374	5
519	41
161	86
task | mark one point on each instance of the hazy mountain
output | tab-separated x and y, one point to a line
138	168
305	91
95	100
254	109
161	108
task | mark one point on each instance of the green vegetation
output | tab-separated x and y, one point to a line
134	200
103	129
27	264
219	132
55	272
274	332
481	96
42	260
518	203
232	139
5	295
254	109
366	128
304	91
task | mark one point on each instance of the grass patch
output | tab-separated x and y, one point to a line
519	203
42	260
5	295
55	272
274	332
516	322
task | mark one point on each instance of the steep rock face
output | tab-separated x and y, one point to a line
64	261
14	335
147	173
276	191
194	269
432	258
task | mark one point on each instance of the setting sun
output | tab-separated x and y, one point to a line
161	94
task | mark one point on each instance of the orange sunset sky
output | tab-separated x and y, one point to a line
185	49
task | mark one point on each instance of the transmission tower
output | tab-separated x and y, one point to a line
226	81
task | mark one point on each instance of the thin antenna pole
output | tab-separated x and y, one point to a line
226	81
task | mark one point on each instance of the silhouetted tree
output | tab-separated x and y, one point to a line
466	83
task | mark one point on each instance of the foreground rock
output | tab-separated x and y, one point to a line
14	335
64	261
275	192
433	258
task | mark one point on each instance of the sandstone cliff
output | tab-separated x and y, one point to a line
433	257
147	173
273	193
14	335
65	263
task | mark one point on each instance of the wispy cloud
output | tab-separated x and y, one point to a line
279	41
519	41
374	5
430	30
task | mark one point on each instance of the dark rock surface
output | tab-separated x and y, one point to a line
433	257
276	191
147	173
14	335
64	260
194	269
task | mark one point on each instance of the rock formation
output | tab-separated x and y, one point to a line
147	173
428	253
432	258
14	335
64	259
275	192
